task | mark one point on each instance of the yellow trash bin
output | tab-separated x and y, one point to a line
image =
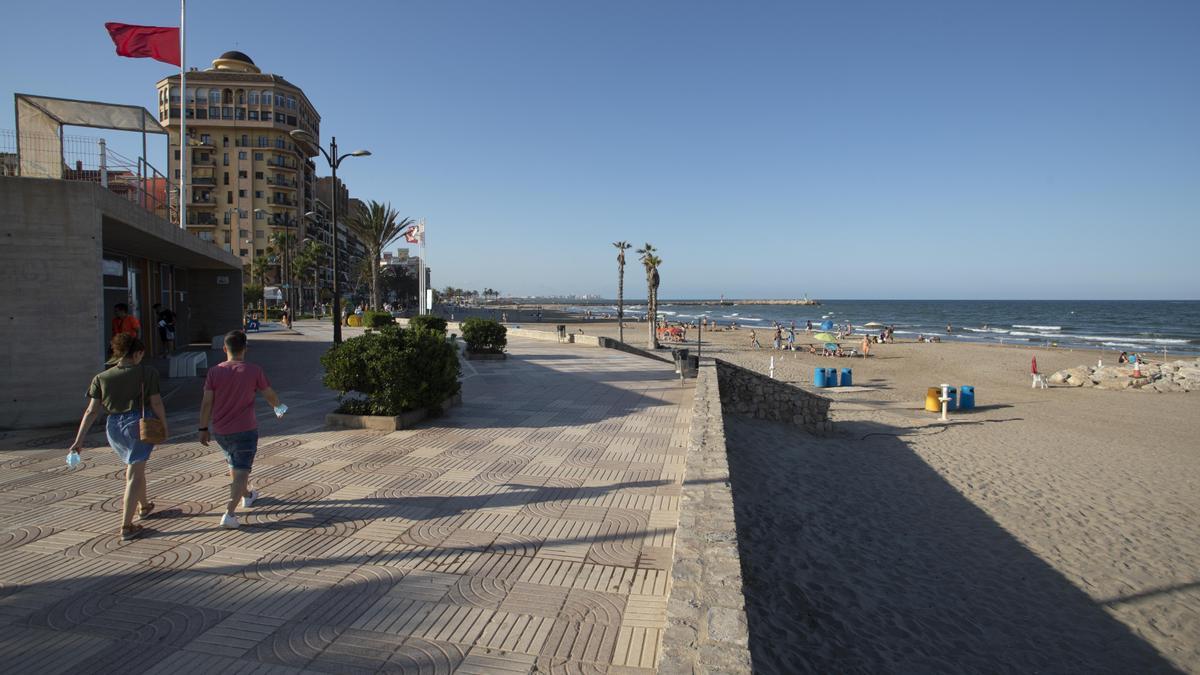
933	401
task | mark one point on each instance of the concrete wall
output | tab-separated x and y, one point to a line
53	234
745	392
50	299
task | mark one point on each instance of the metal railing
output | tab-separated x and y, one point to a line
89	160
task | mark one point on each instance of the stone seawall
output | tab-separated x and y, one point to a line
706	617
745	392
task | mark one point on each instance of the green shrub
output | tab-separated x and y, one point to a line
392	371
428	322
484	336
377	319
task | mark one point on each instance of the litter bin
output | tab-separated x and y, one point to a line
819	378
952	394
966	397
693	366
831	376
847	377
933	401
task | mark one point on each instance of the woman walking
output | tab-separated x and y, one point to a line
123	392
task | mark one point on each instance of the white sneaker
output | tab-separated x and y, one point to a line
229	521
249	499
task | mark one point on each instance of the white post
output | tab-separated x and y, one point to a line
103	164
772	368
421	306
945	399
184	160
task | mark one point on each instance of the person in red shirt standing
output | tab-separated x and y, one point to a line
124	322
229	392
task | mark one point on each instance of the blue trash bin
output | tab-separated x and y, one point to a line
831	376
847	378
966	397
952	394
819	378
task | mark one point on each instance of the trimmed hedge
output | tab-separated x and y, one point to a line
428	322
392	371
377	319
484	336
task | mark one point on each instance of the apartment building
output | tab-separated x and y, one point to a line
248	178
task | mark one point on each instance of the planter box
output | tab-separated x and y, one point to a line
384	423
484	356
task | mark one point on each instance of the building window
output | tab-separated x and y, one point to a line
206	139
224	141
258	156
214	112
244	234
241	194
239	113
266	99
201	113
262	140
258	194
176	174
253	114
225	159
258	175
242	174
227	178
191	95
279	118
176	155
227	214
241	154
253	97
258	215
214	97
228	98
291	120
227	113
228	197
279	101
291	102
243	253
241	97
259	234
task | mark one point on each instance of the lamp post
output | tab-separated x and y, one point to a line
334	161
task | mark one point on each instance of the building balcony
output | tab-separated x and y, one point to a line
281	165
201	220
203	180
275	182
203	203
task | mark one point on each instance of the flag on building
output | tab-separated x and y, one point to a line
156	42
414	234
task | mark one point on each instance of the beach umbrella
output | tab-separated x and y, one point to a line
831	346
873	324
826	325
824	337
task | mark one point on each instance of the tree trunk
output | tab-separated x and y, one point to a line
375	283
621	302
651	320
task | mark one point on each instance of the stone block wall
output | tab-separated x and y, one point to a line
707	630
745	392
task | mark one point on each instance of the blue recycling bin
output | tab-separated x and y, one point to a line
819	378
847	378
966	397
831	376
952	394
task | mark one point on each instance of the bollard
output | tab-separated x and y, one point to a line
771	369
945	399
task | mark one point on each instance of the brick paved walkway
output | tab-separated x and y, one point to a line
530	529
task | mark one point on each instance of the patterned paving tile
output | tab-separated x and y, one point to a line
529	530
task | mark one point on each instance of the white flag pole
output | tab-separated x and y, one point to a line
183	146
427	307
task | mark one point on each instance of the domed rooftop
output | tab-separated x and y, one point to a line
235	61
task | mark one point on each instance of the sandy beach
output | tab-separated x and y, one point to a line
1049	530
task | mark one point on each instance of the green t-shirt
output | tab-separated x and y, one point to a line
120	388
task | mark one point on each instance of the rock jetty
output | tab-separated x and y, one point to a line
1156	377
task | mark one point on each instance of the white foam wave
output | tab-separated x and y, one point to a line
1036	327
1110	338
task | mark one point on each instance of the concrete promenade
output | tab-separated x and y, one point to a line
529	530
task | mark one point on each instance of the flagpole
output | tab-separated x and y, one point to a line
184	160
421	271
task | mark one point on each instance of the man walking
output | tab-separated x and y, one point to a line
124	322
166	326
229	392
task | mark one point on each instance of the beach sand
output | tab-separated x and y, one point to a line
1051	530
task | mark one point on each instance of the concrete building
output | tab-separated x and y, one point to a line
73	249
248	179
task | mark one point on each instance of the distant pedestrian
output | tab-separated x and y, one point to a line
791	337
123	391
124	322
808	327
166	326
754	340
229	393
778	338
949	329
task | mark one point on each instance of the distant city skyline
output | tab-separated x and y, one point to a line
930	150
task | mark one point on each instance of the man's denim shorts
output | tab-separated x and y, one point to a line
239	448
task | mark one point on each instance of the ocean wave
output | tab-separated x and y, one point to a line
1036	327
1044	335
1119	338
987	330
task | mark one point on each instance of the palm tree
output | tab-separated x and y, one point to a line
376	225
621	247
308	261
259	266
650	262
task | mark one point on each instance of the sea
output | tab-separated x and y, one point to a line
1124	325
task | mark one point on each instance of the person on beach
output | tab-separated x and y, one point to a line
808	327
866	346
791	338
124	322
123	391
1123	358
229	393
778	340
949	329
754	340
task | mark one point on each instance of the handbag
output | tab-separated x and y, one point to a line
150	430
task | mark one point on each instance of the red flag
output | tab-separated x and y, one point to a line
1034	366
157	42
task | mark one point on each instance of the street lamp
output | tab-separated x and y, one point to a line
334	161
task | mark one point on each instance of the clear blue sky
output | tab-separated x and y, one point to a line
950	149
